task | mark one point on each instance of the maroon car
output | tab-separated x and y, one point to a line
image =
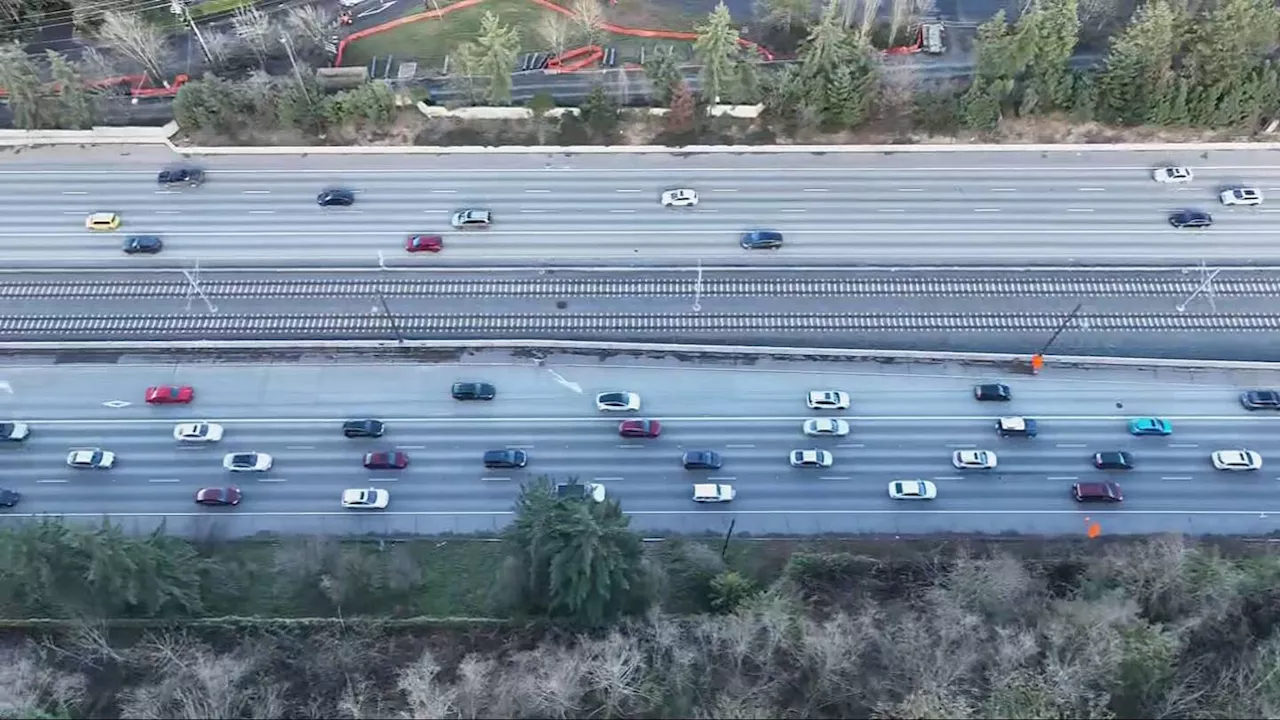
218	496
640	428
386	460
424	243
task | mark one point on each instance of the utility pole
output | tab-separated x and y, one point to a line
178	7
395	327
1205	287
724	549
194	290
288	47
1037	360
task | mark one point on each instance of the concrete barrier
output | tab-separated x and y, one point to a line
622	347
96	136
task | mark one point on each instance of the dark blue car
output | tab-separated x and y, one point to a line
146	244
1191	219
762	240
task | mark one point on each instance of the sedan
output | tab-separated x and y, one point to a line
761	240
617	402
912	490
1113	460
1260	400
14	431
1172	175
1237	460
811	459
170	395
424	243
9	498
336	198
93	458
993	392
1150	426
640	428
142	245
826	427
1190	219
702	460
247	462
713	493
197	432
365	498
218	496
190	176
682	197
473	391
974	459
363	428
1241	196
506	459
387	460
827	400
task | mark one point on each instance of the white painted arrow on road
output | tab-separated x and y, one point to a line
560	379
117	403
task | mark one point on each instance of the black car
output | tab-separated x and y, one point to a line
9	498
1115	460
995	392
702	460
473	391
339	198
181	176
1191	219
144	244
506	459
363	428
1260	400
762	240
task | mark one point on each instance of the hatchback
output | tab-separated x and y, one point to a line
1113	460
994	392
683	197
363	428
617	402
473	391
640	428
424	243
506	458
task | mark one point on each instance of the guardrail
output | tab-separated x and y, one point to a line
915	356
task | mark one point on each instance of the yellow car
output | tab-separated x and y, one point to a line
102	221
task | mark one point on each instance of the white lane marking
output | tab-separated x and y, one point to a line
532	212
706	210
1176	477
607	479
272	480
1092	189
793	210
74	212
986	210
1270	210
851	445
815	190
739	446
1062	477
444	192
1004	189
628	191
1183	445
910	189
630	446
435	212
834	477
385	479
257	192
495	479
538	192
51	481
168	212
700	419
966	445
411	447
166	192
721	479
164	480
299	447
519	447
74	192
891	210
724	190
1079	209
1071	445
622	211
948	477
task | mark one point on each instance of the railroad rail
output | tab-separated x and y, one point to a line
16	328
711	286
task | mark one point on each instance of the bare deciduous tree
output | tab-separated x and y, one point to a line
136	38
257	29
28	684
870	9
309	26
588	16
426	695
554	29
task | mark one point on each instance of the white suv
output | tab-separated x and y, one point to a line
1241	196
828	400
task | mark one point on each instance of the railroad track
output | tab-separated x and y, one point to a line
711	287
595	325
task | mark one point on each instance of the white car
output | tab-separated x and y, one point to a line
247	462
1237	460
828	400
1241	196
95	458
197	432
912	490
1172	175
617	402
14	431
365	498
811	458
824	427
683	197
974	459
713	493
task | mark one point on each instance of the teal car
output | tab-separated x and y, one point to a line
1150	426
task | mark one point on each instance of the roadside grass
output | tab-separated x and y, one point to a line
216	7
431	41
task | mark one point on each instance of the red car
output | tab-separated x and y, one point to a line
424	243
390	460
170	395
640	428
218	496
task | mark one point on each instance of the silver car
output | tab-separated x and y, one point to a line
471	218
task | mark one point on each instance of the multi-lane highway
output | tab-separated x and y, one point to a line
1227	315
905	423
994	209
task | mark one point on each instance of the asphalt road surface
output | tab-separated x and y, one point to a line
906	423
1009	209
1190	314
